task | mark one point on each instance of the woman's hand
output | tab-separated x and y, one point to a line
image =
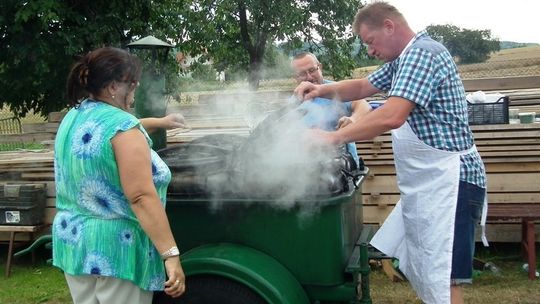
172	121
175	286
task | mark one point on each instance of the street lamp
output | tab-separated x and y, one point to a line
150	98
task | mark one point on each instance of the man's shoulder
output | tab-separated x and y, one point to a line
426	43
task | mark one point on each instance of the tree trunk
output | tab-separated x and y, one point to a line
254	75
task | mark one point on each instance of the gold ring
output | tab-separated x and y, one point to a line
176	282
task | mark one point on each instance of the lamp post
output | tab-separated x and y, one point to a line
150	98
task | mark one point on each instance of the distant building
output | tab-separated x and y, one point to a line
185	61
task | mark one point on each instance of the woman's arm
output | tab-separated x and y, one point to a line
171	121
134	165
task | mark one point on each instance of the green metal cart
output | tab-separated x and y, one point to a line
249	251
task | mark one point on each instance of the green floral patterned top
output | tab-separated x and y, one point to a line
94	230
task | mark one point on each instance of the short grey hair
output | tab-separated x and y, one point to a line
304	54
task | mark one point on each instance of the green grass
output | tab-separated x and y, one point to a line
510	286
28	284
46	284
18	146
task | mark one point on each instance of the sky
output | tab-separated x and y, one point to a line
515	20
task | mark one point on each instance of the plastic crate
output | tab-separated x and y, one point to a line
22	203
489	113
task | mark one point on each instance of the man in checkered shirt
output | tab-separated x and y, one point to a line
440	174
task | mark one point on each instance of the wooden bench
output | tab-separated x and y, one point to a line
14	230
527	214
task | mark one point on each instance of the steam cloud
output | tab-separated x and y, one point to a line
277	162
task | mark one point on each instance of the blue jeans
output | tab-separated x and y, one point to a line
468	214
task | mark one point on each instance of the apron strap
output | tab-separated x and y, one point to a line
483	221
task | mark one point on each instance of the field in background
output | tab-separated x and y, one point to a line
530	52
523	61
510	62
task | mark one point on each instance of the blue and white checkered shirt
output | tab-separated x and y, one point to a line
426	74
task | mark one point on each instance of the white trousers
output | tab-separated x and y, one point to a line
88	289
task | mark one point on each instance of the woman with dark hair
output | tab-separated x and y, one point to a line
111	236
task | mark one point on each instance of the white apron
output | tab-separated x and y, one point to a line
420	229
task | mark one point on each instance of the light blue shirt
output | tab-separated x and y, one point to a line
324	114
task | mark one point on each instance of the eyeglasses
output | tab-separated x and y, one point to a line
307	72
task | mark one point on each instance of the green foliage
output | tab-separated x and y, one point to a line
236	34
277	65
40	39
203	72
469	46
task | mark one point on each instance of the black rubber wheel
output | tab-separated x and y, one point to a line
208	289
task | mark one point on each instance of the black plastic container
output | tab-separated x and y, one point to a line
488	113
22	204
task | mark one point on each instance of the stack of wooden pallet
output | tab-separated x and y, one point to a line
29	167
511	154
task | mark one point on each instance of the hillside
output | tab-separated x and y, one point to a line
528	52
511	44
508	62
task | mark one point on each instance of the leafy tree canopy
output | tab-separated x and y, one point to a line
237	34
469	46
40	39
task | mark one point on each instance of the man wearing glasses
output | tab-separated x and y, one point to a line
323	113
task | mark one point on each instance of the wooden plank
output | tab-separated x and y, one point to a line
510	233
24	237
497	182
40	127
513	211
491	167
499	232
503	127
44	176
487	160
375	215
380	185
27	137
56	116
501	83
507	148
50	202
49	215
514	135
514	182
10	228
484	150
389	200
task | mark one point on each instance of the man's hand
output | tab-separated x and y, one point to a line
344	121
320	137
307	90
